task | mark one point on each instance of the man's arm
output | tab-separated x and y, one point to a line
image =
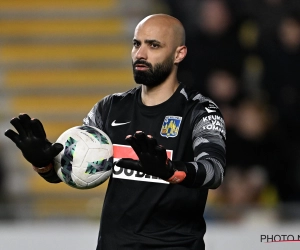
207	169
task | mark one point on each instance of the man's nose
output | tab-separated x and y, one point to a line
141	53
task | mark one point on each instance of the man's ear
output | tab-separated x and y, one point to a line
180	53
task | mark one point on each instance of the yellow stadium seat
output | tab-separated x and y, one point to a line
70	78
22	5
55	104
63	52
60	27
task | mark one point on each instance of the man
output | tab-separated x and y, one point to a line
158	200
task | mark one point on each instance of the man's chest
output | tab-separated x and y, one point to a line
165	126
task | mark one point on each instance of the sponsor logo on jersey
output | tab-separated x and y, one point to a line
214	122
210	107
114	123
209	110
170	126
123	151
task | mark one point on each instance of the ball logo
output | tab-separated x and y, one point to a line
95	134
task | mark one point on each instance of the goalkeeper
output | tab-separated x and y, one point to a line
156	200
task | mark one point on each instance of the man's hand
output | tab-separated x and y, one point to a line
32	141
153	158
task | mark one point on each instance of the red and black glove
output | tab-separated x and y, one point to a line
153	158
32	141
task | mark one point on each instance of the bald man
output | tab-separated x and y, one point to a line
158	48
169	148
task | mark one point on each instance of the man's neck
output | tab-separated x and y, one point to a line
152	96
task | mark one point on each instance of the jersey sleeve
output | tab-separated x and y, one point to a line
208	136
97	115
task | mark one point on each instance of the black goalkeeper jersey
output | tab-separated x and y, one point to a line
144	212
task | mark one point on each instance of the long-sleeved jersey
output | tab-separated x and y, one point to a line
145	212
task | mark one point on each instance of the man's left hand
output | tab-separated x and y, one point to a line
153	158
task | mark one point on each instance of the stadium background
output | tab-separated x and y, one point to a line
58	58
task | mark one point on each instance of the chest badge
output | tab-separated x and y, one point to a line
170	126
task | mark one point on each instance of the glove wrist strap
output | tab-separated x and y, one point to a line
43	169
177	177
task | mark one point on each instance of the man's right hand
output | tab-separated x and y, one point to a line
32	141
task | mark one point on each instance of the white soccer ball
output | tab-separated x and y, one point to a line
87	158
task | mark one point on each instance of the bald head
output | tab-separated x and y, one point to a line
166	24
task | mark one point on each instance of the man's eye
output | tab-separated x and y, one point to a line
154	45
136	44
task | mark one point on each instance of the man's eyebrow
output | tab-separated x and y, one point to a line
136	40
150	41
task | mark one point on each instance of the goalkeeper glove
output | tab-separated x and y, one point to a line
153	159
32	141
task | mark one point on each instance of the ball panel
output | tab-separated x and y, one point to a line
102	178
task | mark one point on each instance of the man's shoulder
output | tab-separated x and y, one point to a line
117	97
121	95
201	104
196	97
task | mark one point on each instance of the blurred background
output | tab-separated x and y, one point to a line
59	57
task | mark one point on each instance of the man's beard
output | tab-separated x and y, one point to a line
153	76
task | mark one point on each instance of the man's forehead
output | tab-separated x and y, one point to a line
161	27
147	32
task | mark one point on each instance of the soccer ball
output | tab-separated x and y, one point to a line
87	158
